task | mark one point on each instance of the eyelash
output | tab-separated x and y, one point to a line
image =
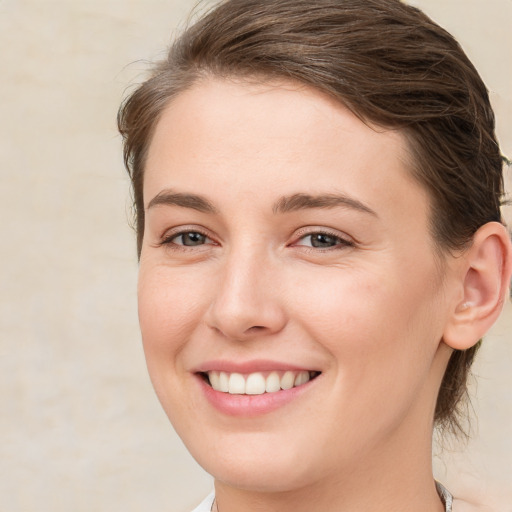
168	240
340	242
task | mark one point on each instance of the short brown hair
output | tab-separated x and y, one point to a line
391	66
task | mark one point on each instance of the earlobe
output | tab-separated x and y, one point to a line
485	280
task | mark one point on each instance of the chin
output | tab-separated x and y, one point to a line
267	477
253	467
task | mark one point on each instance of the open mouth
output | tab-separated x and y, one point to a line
257	383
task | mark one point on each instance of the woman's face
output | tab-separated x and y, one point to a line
286	245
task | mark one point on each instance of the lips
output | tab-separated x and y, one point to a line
258	383
253	388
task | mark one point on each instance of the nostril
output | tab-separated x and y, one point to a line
240	319
256	328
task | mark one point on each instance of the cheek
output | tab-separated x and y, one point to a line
170	308
375	325
347	307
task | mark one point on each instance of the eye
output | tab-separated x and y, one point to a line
187	239
321	240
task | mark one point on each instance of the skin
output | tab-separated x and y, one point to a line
464	506
369	311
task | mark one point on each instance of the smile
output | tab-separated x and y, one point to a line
258	383
253	388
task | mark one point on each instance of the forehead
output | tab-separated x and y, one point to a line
263	137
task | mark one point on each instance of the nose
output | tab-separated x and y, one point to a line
247	302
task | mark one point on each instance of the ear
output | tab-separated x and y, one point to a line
486	268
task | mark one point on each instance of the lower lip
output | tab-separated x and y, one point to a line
252	405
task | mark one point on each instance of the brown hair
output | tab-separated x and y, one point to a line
391	66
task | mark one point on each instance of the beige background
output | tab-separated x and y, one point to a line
80	427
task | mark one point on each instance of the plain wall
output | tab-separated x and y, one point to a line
80	427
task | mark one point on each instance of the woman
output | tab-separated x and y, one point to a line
317	191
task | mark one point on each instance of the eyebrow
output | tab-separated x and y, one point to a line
303	201
285	204
170	198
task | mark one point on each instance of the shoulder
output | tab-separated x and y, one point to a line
206	504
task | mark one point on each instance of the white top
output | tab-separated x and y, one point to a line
446	497
206	504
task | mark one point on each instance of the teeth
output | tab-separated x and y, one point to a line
287	380
273	383
214	379
236	384
301	378
223	382
257	383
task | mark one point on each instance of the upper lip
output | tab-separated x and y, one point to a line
257	365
